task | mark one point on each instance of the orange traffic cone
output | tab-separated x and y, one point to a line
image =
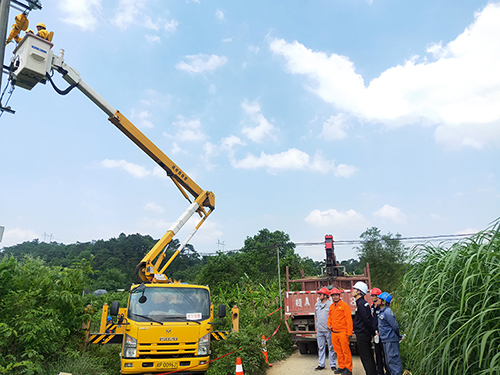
239	367
264	350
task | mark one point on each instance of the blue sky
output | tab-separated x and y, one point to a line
310	117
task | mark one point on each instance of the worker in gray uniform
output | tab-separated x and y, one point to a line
323	334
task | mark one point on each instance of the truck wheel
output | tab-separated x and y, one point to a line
313	347
303	347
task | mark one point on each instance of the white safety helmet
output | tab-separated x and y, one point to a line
361	286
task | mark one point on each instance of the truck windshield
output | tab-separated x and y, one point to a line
163	304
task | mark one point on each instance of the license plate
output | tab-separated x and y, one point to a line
166	365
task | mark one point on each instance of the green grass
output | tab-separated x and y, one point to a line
449	304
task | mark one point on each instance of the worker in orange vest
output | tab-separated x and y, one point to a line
340	323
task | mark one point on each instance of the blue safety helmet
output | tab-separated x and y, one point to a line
109	319
386	297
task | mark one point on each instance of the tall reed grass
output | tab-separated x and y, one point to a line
449	306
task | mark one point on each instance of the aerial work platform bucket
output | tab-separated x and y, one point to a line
31	61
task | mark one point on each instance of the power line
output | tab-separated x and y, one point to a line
409	240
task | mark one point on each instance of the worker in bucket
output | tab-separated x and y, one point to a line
42	31
388	331
340	324
363	328
379	349
323	335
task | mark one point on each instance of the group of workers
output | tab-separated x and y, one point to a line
21	24
373	322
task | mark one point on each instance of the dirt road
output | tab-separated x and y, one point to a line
304	364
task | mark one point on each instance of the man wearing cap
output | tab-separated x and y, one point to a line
363	327
379	348
323	335
388	330
340	323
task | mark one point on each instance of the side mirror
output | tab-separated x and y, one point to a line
114	309
222	311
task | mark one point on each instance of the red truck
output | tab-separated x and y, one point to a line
299	305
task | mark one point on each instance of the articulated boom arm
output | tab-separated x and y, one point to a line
202	202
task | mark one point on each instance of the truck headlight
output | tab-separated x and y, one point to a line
204	344
129	347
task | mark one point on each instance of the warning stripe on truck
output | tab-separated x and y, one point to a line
220	335
106	338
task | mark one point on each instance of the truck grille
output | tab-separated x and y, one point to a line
167	350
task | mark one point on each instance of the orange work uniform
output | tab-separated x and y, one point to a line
340	321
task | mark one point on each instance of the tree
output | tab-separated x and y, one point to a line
352	266
259	256
386	256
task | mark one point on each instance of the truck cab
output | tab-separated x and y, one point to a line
166	327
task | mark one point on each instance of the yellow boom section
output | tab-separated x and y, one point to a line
203	201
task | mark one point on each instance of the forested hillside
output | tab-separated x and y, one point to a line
113	259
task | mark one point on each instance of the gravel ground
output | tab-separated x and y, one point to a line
304	364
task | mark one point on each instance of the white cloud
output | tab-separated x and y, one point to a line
213	89
171	26
17	235
133	169
152	206
177	150
219	14
332	217
155	98
435	216
226	145
141	118
334	128
153	39
82	13
458	92
132	12
293	159
201	63
189	130
264	130
390	213
127	13
227	40
253	49
320	164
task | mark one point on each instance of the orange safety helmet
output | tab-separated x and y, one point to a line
324	291
375	292
335	291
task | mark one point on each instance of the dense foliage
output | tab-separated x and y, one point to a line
113	260
41	312
449	305
42	304
386	256
255	302
256	261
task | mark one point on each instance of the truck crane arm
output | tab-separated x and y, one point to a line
32	62
202	201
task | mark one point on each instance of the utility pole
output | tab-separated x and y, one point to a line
25	7
220	244
279	277
4	23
